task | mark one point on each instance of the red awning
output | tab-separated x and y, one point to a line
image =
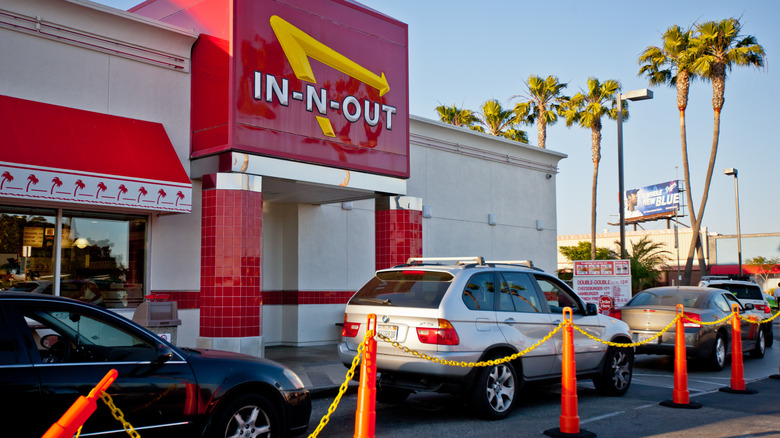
746	270
65	154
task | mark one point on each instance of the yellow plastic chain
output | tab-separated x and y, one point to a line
472	364
763	321
343	388
119	415
554	331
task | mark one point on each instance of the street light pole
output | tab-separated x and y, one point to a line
733	171
643	94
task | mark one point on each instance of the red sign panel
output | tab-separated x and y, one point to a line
318	81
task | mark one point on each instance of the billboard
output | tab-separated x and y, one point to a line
658	199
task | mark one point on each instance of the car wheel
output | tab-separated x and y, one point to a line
495	391
717	360
247	416
615	377
392	395
760	348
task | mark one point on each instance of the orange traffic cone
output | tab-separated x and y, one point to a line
737	369
365	416
680	395
570	421
80	410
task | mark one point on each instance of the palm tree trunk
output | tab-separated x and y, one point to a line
718	93
541	129
595	137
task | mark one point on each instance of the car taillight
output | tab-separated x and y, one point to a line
763	307
615	313
691	316
350	329
444	335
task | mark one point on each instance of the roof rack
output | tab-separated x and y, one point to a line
527	263
457	260
732	277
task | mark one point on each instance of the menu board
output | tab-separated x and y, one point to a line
606	283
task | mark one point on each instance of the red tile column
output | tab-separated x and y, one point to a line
231	264
398	229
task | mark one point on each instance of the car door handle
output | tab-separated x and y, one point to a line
510	321
557	321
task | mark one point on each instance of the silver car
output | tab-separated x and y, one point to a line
649	311
470	310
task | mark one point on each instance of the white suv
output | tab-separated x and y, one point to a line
746	292
470	310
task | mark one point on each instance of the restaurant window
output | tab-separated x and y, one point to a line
27	248
102	258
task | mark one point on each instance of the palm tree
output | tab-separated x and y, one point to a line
179	196
6	177
457	116
31	179
122	190
587	109
501	122
55	182
100	188
672	64
720	46
79	185
541	104
645	256
161	194
141	192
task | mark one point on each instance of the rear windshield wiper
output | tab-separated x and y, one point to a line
374	301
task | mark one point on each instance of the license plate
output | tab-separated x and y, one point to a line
640	337
388	331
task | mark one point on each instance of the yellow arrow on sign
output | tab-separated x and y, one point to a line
299	46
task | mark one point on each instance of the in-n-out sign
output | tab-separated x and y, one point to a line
298	47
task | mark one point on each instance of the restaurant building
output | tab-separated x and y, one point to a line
253	161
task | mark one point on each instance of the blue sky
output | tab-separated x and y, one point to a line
463	54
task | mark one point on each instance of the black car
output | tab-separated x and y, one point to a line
52	350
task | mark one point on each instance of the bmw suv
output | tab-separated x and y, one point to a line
470	310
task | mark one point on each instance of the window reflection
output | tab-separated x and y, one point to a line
27	248
102	258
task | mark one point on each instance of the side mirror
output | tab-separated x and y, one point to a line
164	354
749	306
591	309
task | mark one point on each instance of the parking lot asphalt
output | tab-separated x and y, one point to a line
318	366
323	373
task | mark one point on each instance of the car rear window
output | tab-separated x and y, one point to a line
408	288
741	291
668	298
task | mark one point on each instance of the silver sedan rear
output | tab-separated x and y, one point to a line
652	310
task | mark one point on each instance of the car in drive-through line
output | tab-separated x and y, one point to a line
470	310
649	311
53	350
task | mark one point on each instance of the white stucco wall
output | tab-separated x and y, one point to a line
464	176
335	247
52	71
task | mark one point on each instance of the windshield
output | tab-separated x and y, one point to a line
422	289
742	291
668	298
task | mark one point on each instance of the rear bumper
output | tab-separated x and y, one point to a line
696	344
405	363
